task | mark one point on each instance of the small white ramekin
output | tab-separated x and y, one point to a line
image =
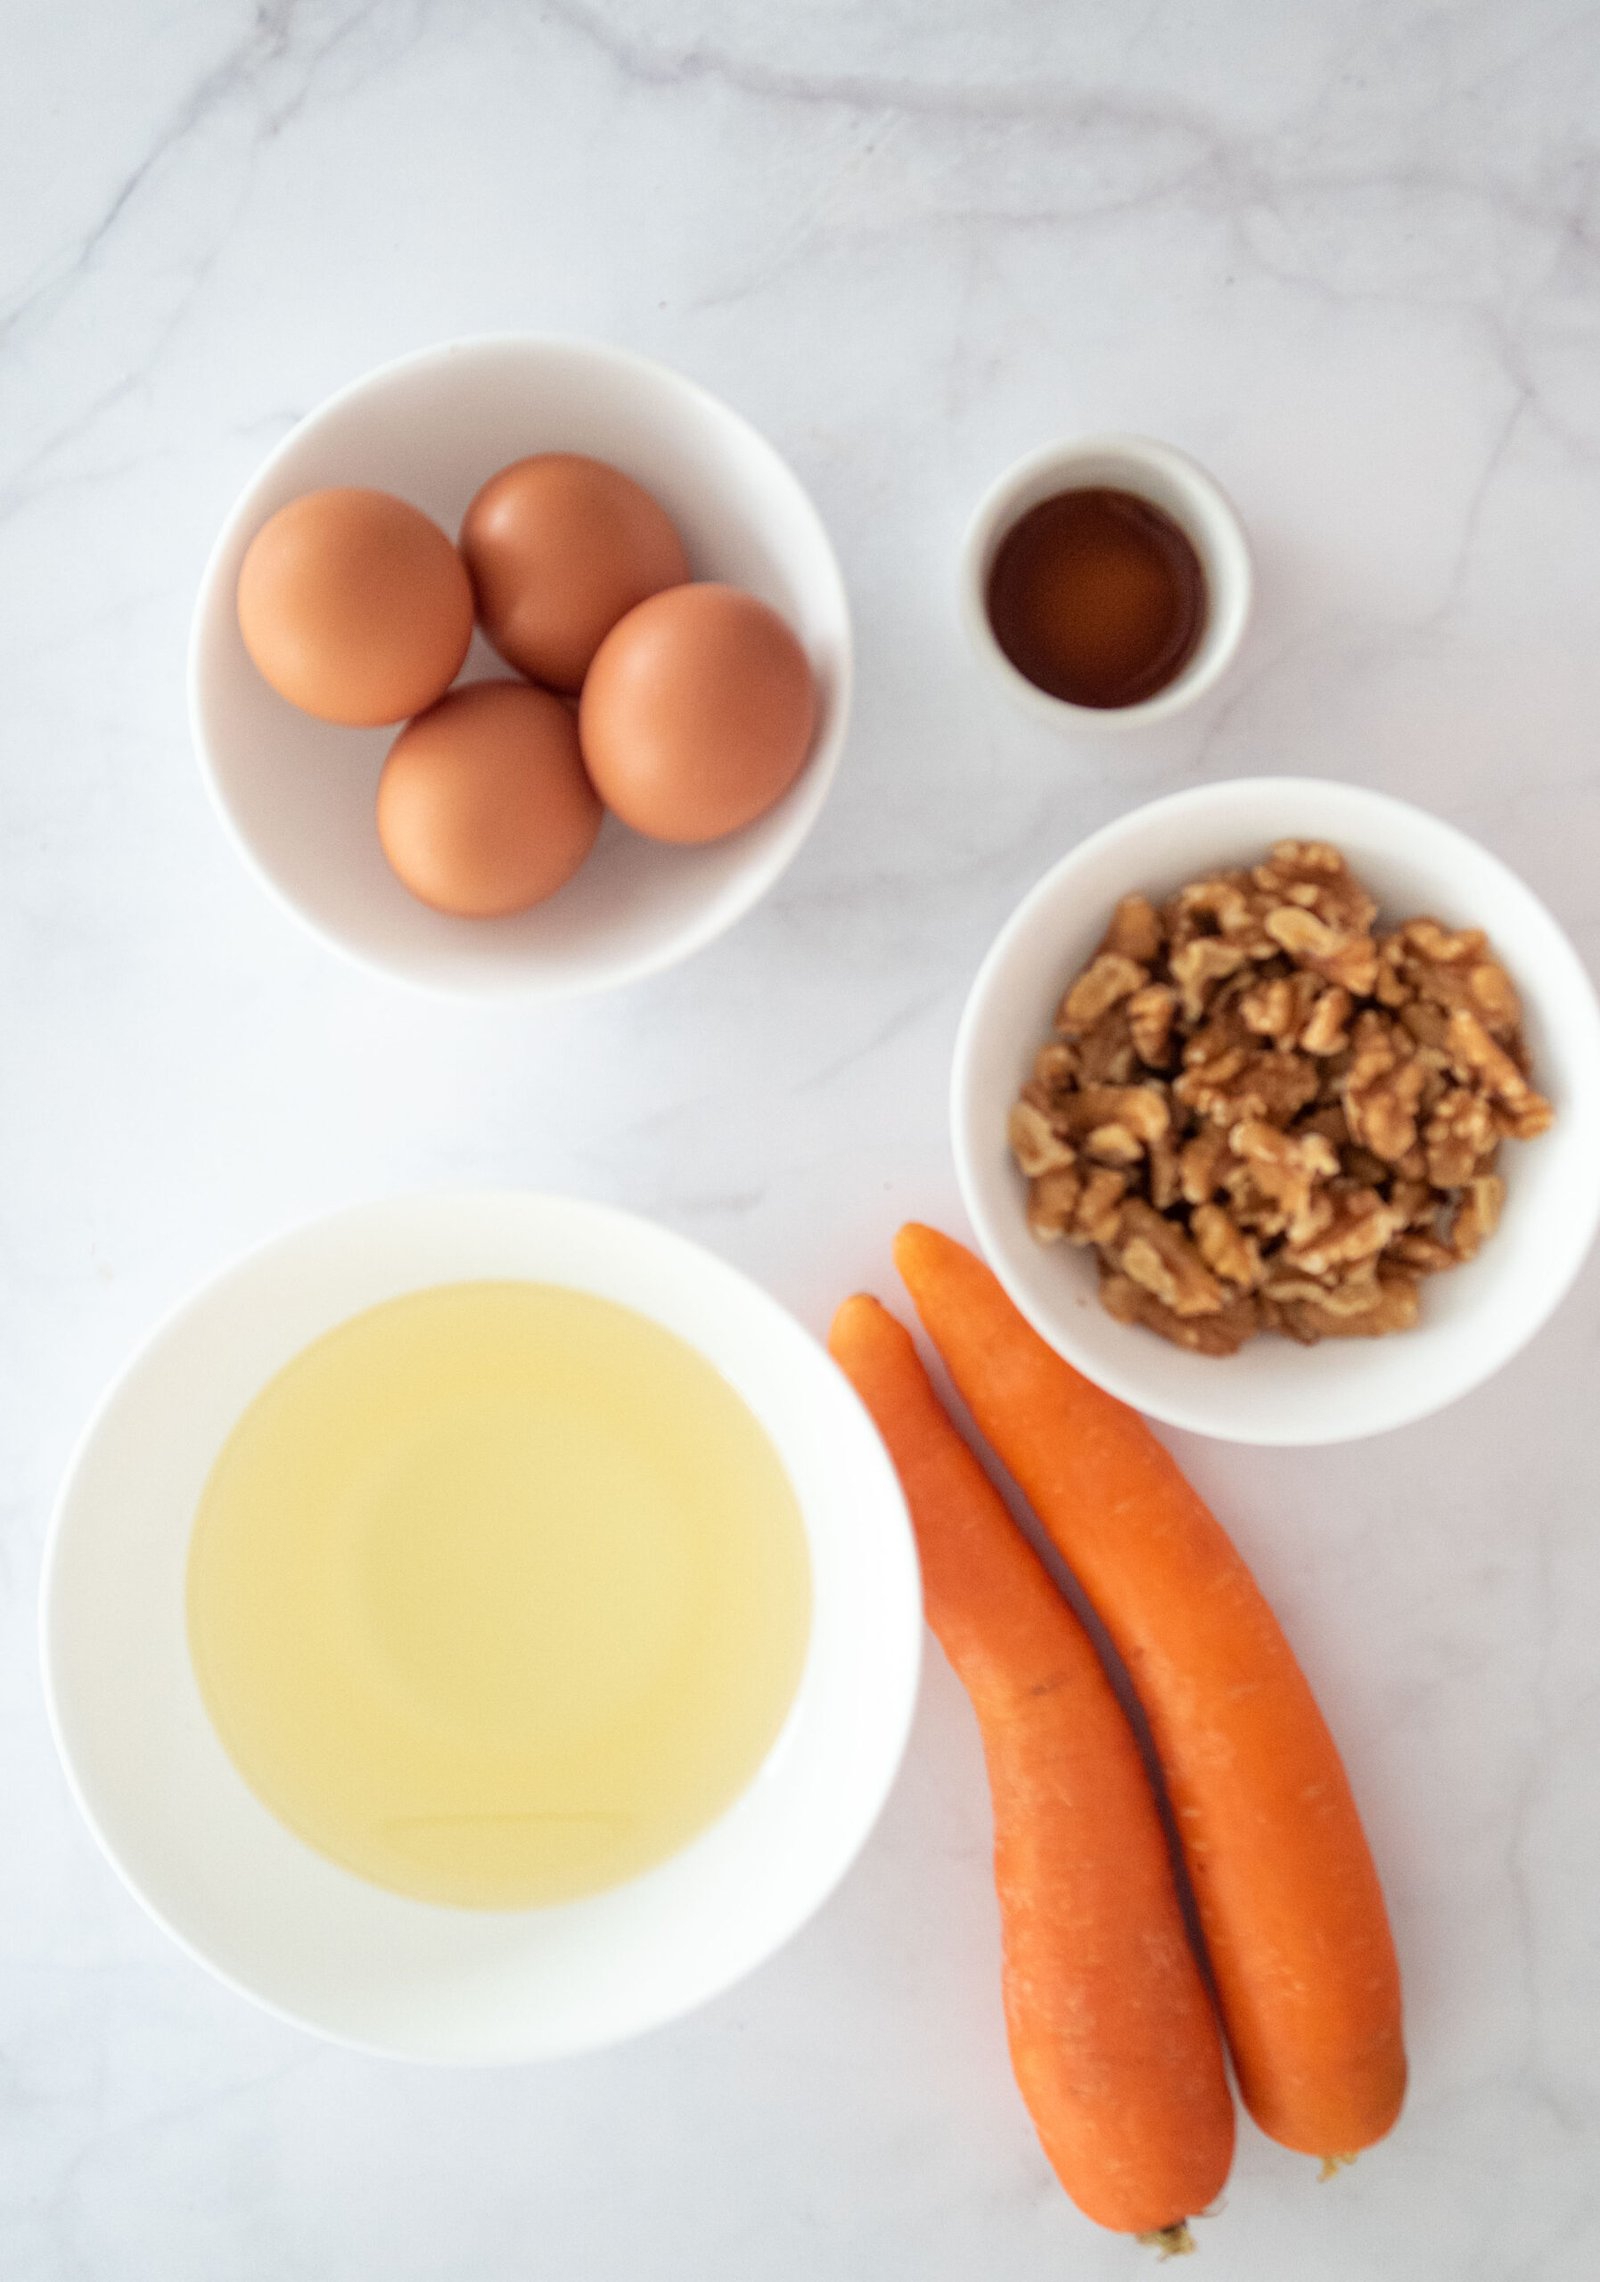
1474	1318
1168	479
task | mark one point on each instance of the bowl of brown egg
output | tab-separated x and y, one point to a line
1276	1109
521	668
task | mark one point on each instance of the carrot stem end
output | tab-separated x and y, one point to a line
1170	2242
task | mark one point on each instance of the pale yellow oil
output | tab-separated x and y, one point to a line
498	1594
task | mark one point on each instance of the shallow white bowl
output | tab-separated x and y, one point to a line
1168	479
310	1940
298	793
1474	1318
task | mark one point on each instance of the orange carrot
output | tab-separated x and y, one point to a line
1288	1898
1112	2034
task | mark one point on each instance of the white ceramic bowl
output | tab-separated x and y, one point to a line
1474	1318
1170	480
312	1941
299	793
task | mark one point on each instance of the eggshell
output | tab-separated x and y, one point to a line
697	714
484	807
560	547
355	606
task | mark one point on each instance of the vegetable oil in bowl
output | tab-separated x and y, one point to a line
498	1594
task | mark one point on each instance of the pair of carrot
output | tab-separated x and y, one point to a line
1111	2029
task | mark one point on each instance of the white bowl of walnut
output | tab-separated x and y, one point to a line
1265	1070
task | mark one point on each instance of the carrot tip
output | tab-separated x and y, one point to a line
1332	2165
911	1238
1170	2242
854	1304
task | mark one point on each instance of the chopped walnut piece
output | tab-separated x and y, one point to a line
1426	1254
1302	934
1113	1145
1325	1029
1135	931
1035	1143
1451	970
1262	1214
1151	1015
1053	1203
1382	1110
1207	1087
1199	967
1442	946
1142	1109
1396	1304
1055	1066
1155	1252
1284	1170
1416	1203
1477	1215
1354	1296
1221	1334
1226	1250
1200	1165
1165	1183
1338	954
1106	1055
1459	1136
1314	875
1305	1156
1494	998
1431	947
1099	1207
1222	906
1276	1086
1265	1114
1272	1008
1360	1226
1474	1054
1105	980
1426	1022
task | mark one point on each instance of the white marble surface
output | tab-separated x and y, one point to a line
1349	254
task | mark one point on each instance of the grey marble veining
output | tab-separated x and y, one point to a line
1347	254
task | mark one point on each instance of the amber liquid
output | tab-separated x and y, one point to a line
1098	598
498	1594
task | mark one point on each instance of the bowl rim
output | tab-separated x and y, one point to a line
539	982
893	1735
1399	817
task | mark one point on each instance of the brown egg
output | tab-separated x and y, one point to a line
560	547
697	713
483	806
355	607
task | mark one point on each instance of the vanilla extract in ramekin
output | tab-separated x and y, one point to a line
1106	583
